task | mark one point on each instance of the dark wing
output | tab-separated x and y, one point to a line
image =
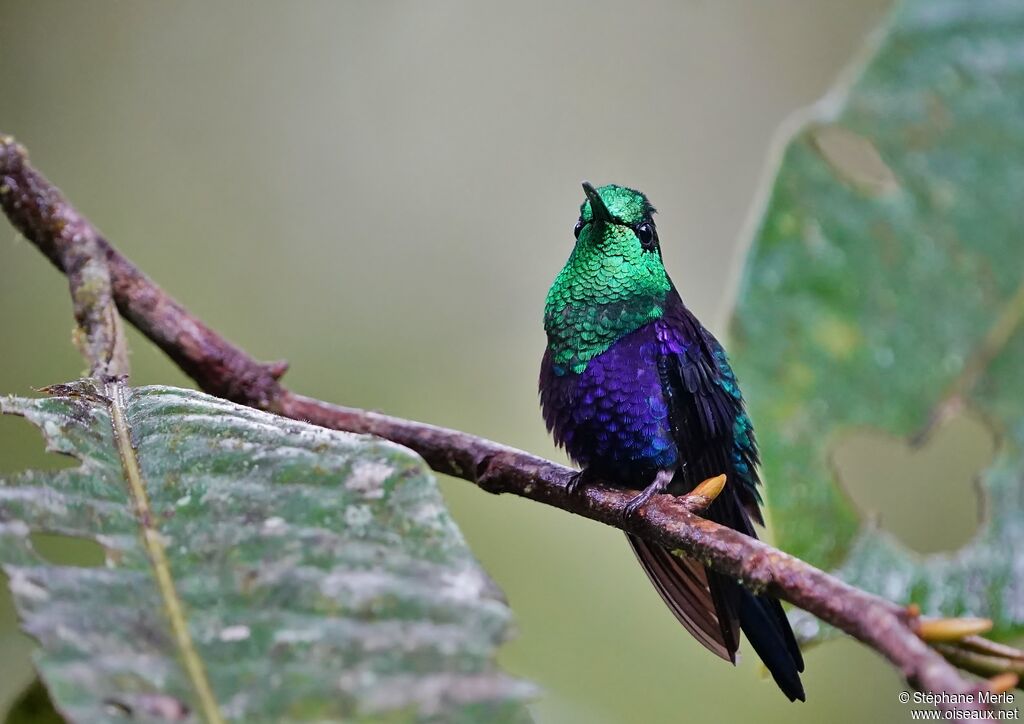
710	425
684	586
701	412
713	435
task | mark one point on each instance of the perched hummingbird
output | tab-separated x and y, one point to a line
641	396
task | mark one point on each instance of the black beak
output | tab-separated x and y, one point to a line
597	206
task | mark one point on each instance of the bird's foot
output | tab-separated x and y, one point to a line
578	480
659	486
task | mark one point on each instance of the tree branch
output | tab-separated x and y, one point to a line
38	210
70	241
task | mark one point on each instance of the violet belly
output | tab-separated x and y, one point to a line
614	415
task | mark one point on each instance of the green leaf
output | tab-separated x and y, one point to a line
258	569
884	290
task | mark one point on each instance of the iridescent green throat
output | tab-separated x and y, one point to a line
610	287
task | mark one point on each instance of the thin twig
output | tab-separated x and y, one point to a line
223	369
38	210
72	243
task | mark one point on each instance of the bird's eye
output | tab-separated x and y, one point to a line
645	233
578	229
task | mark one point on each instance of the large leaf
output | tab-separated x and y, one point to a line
265	569
883	290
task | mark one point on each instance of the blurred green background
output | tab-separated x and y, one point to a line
382	193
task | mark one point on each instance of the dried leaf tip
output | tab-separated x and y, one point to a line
703	495
1002	683
938	630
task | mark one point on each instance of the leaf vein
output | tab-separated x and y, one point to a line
158	557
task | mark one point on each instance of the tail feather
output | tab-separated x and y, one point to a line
689	590
787	632
764	623
713	608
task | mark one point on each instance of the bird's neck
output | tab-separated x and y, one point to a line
596	300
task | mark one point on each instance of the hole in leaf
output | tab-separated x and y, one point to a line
855	159
67	550
22	447
928	497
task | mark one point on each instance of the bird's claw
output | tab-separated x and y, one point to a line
576	481
635	504
660	485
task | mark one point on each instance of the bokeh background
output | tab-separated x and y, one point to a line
382	193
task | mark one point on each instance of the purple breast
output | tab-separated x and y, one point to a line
614	415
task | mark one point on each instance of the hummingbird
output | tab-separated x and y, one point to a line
641	396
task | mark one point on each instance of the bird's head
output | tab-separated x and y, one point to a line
618	221
614	280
